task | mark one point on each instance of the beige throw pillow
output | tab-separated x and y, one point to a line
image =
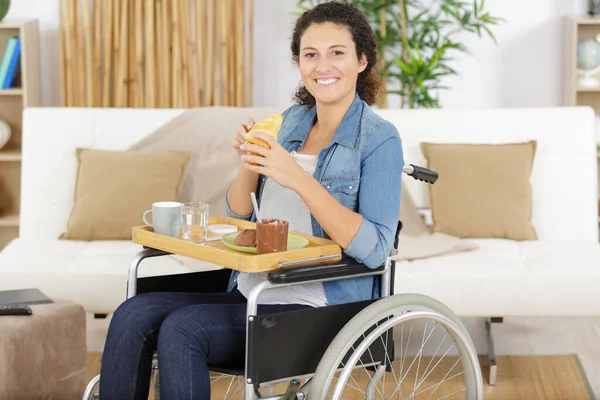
417	241
114	188
483	190
412	222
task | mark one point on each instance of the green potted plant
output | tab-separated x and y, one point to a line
417	40
4	6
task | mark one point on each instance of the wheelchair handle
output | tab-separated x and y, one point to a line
420	173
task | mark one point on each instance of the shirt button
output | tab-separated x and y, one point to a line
328	187
350	187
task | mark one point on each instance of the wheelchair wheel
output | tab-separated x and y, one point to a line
391	350
225	386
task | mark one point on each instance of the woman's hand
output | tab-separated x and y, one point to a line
239	140
275	163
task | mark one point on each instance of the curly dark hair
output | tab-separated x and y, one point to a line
368	83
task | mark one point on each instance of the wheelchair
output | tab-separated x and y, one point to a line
358	350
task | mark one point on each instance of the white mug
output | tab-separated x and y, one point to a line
166	218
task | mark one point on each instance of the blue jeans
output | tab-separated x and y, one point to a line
187	330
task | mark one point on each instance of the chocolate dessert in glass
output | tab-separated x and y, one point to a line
271	236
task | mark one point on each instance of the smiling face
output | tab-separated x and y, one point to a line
328	63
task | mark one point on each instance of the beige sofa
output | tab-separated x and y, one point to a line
557	274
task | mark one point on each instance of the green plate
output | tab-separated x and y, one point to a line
294	243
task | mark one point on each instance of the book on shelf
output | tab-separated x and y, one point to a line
9	67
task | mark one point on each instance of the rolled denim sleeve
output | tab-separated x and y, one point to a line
379	202
231	214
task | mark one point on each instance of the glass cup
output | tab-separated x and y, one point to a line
194	222
271	236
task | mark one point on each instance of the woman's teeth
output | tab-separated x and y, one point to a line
329	81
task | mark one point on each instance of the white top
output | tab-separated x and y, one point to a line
283	203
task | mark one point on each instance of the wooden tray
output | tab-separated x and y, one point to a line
216	252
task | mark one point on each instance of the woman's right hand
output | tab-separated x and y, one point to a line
241	130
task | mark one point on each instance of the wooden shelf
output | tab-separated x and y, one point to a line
587	21
11	92
574	94
9	219
13	23
10	155
12	103
588	89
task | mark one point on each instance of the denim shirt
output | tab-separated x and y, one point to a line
362	169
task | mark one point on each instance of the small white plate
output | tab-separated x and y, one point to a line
222	229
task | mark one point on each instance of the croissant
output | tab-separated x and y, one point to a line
246	238
270	126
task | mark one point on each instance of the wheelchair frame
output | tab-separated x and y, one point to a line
337	314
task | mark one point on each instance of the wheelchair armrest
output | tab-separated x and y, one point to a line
347	267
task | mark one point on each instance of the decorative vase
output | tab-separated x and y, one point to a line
4	6
5	133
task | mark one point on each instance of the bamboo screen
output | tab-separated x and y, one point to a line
156	53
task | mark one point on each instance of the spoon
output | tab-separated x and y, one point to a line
255	205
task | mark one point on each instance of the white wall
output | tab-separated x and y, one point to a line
524	69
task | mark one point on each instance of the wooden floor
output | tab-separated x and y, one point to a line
519	377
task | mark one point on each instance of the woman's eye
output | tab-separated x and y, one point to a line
310	55
338	53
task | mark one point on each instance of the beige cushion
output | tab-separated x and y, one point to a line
483	190
207	133
412	222
431	245
416	239
114	188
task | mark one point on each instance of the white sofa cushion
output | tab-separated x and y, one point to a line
92	273
506	278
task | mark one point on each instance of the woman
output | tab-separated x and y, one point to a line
334	172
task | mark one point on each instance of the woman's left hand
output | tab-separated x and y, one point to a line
275	163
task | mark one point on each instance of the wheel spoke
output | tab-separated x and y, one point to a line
419	353
435	354
406	350
444	379
436	364
387	356
452	394
352	386
239	386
